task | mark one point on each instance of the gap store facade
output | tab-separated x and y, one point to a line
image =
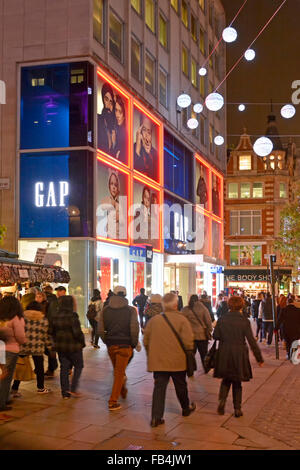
98	173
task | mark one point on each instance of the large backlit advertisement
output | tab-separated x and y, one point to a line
146	215
56	195
202	185
113	120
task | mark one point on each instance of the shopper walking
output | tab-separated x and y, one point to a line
267	318
201	324
289	319
154	307
12	328
255	311
140	302
222	308
51	312
37	339
166	357
232	360
119	330
68	342
207	303
93	315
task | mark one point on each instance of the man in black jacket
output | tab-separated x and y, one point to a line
267	318
140	302
290	319
119	330
254	311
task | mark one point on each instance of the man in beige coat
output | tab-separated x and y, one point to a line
166	357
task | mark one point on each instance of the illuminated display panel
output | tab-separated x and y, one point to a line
113	199
113	119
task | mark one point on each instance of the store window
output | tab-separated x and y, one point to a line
56	195
98	20
56	106
136	5
150	14
136	53
174	4
233	190
245	162
194	27
185	60
163	88
258	191
163	31
116	37
185	13
194	74
245	190
245	223
246	255
282	190
150	73
202	41
178	167
234	255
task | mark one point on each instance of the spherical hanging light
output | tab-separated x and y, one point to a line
214	101
288	111
242	107
219	140
192	123
202	71
249	54
198	108
229	34
184	100
263	146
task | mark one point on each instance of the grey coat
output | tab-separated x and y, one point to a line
203	315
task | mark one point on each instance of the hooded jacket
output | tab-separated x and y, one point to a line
118	323
36	332
289	318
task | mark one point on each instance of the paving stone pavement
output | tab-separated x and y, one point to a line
270	403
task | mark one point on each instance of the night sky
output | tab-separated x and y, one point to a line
270	75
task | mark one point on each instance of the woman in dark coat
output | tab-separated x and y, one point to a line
232	360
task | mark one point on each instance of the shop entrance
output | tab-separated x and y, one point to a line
142	277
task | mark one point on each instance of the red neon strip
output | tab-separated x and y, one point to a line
204	162
113	83
145	180
103	157
144	111
112	240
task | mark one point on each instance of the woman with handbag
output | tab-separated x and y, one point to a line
232	358
164	338
200	320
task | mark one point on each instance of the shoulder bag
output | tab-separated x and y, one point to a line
206	330
191	364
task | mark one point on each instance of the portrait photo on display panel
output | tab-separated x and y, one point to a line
146	215
216	195
145	145
202	185
216	240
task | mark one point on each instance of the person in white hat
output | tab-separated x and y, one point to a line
119	330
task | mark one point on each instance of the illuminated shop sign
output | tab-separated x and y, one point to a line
51	194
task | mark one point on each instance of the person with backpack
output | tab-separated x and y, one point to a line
140	302
201	324
119	330
93	315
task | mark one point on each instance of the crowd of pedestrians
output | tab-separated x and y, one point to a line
44	323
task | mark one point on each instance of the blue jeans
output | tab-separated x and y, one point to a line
67	361
11	361
268	329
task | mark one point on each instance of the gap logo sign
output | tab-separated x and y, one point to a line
44	196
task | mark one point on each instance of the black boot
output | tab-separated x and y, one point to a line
237	399
223	393
221	407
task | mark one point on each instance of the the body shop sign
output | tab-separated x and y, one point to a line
246	276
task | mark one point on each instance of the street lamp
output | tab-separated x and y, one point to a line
229	34
214	101
184	100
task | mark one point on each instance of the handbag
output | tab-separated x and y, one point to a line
191	364
206	331
210	358
23	370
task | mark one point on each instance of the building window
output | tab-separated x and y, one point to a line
98	20
202	4
194	73
194	27
115	37
245	223
258	190
210	88
77	76
174	4
246	255
202	130
245	162
163	31
211	139
163	88
210	55
136	5
233	190
184	13
282	190
136	54
202	41
38	82
195	132
150	73
245	190
185	60
150	15
211	13
202	86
